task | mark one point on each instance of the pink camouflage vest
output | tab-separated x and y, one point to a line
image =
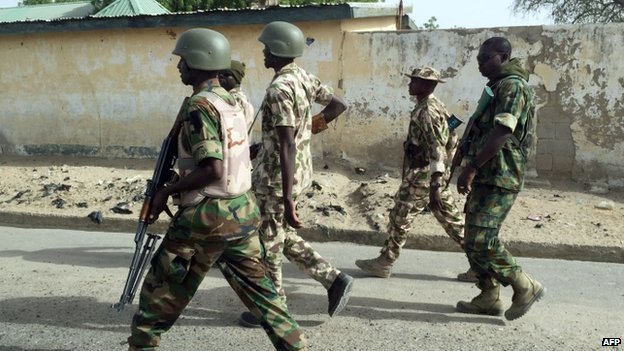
236	178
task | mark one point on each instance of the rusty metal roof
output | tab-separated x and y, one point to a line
207	18
132	7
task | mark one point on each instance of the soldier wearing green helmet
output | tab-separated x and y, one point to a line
217	218
284	161
283	39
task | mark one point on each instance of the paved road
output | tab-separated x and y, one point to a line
56	288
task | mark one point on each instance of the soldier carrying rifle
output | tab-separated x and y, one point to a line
218	217
492	178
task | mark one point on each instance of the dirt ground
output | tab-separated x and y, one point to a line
342	197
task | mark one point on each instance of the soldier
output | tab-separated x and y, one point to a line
497	157
218	217
231	79
428	152
284	163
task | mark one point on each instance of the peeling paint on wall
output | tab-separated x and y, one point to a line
117	91
549	75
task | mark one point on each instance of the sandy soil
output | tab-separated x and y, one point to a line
342	197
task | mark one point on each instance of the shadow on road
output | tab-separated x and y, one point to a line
215	307
97	257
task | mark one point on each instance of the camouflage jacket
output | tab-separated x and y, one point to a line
513	106
288	103
430	144
202	136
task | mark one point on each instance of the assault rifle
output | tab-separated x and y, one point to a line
471	131
145	243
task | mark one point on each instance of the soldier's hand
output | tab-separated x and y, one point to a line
159	203
435	202
464	182
290	214
318	123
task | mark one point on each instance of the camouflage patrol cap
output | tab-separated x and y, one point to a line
237	70
426	73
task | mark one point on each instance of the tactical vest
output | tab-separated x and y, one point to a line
236	178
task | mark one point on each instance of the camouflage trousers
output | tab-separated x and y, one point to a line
280	240
411	198
180	264
486	209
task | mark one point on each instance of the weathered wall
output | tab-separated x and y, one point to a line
113	93
576	75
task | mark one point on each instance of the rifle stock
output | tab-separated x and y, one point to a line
471	130
145	243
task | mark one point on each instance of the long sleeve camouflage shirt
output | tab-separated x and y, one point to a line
513	107
288	103
432	143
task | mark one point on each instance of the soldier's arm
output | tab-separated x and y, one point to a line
492	145
509	105
435	132
328	114
202	130
282	116
287	163
334	106
202	133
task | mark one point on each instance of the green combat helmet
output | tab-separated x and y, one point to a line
283	39
204	49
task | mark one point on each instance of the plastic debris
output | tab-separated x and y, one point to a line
605	205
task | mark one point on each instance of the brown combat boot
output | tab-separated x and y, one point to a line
378	267
487	302
469	276
526	292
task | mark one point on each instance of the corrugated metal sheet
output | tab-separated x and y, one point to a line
132	7
217	17
46	12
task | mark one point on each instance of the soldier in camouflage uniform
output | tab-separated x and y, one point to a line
231	80
494	175
218	218
428	151
283	168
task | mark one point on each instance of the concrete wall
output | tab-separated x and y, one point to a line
113	93
576	74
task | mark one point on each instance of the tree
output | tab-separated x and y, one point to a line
432	23
576	11
194	5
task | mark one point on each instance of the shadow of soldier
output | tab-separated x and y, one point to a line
214	307
96	257
369	308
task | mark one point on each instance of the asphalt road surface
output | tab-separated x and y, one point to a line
56	289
